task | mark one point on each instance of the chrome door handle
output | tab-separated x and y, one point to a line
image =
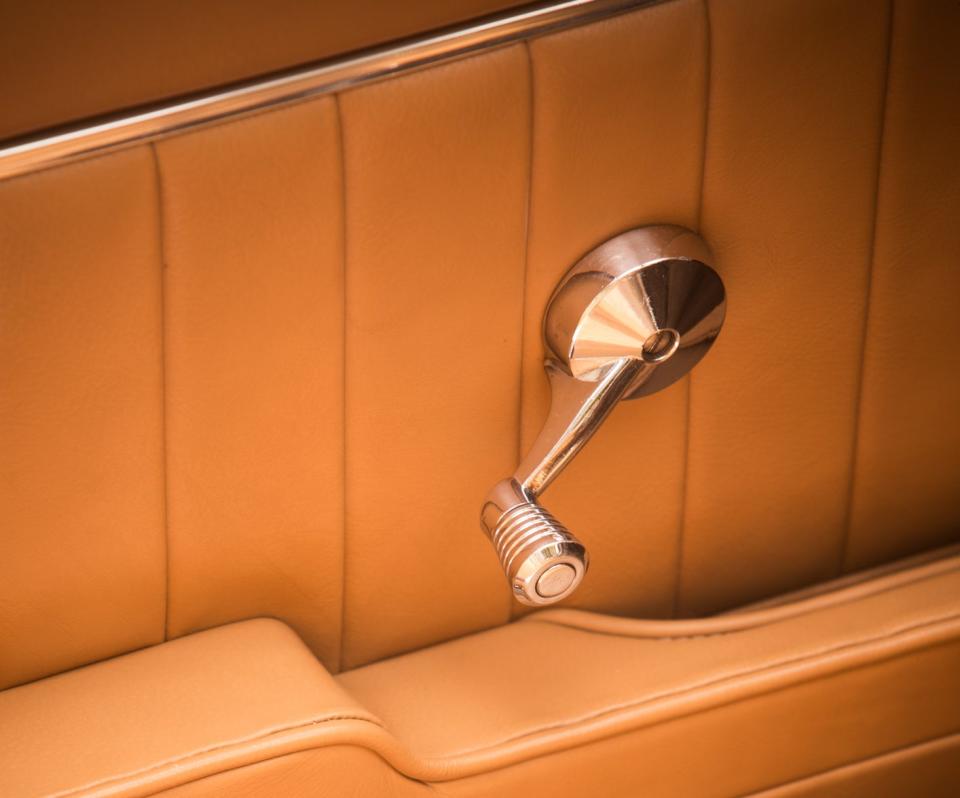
630	318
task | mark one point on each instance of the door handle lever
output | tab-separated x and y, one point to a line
631	317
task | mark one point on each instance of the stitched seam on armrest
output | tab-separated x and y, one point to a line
179	761
773	666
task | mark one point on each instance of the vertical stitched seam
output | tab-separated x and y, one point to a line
526	261
343	411
161	235
844	548
707	75
685	487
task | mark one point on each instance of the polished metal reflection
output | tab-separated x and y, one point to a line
335	75
630	318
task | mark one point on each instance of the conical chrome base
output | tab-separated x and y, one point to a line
647	294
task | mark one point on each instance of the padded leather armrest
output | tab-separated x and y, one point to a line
566	677
130	725
863	671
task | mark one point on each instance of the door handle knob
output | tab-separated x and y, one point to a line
630	318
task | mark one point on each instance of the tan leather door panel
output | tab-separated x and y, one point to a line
265	364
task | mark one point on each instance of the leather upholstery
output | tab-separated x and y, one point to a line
433	309
860	672
253	343
789	190
930	768
270	367
68	61
907	450
198	697
82	571
326	377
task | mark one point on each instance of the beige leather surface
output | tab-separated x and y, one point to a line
435	209
299	416
320	773
908	454
253	284
733	750
788	194
65	61
81	432
931	769
256	378
655	670
137	720
860	672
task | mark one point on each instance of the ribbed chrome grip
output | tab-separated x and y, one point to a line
541	559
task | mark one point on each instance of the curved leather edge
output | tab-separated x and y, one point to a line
364	734
764	614
611	721
357	721
851	580
940	759
622	719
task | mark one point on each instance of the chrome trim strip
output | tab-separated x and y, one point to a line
327	77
